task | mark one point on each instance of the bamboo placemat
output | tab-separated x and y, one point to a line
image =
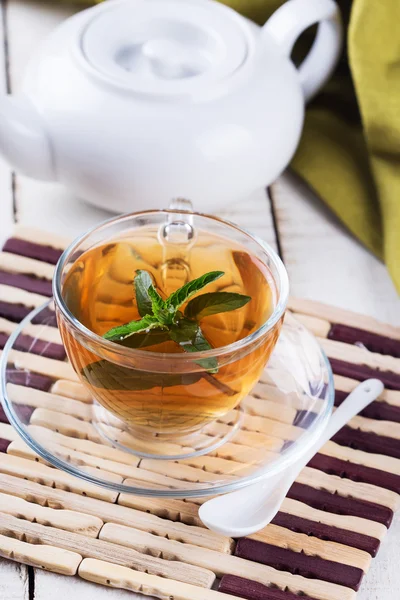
318	547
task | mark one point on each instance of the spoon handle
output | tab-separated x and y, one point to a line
355	402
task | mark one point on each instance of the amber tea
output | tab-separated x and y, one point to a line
108	287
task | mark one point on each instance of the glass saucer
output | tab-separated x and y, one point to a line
54	415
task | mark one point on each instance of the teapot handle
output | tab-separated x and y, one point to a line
294	17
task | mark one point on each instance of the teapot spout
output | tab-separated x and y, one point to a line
23	140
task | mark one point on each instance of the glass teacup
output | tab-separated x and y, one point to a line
151	383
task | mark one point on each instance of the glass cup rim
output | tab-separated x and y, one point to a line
108	345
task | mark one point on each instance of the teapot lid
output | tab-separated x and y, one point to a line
165	48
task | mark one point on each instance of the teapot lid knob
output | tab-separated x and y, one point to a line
165	48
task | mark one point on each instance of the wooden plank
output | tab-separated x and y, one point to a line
61	209
254	214
6	204
49	586
14	584
325	262
6	192
382	581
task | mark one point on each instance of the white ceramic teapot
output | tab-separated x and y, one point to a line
133	102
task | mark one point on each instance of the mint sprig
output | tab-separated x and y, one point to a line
164	315
161	321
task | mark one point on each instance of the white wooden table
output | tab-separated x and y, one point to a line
324	263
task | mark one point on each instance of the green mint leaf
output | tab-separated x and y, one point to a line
123	331
142	283
188	290
157	302
149	294
107	375
143	340
214	303
190	337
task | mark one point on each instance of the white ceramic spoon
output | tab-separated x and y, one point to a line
249	509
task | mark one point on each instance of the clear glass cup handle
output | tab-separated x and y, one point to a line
291	19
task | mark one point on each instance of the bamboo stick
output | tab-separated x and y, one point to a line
387	464
312	546
15	295
72	389
345	384
42	556
338	315
319	327
40	364
65	424
26	266
181	511
356	524
360	356
48	334
20	394
39	236
384	428
348	488
62	519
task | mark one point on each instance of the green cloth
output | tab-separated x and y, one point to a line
350	149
